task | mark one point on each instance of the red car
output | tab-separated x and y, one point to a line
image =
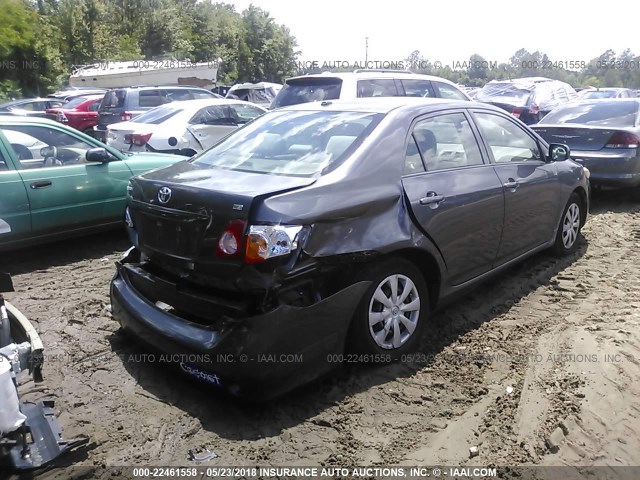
80	113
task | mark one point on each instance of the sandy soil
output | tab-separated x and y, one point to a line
552	345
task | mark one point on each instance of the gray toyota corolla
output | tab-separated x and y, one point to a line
328	232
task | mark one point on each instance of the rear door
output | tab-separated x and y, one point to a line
456	198
64	191
15	216
531	186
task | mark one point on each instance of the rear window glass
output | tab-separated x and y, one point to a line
74	102
607	113
308	90
507	92
113	99
295	143
601	94
157	115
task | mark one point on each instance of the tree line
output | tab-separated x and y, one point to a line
42	40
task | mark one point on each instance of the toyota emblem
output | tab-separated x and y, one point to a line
164	195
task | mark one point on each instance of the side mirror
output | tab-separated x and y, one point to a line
558	152
97	155
48	152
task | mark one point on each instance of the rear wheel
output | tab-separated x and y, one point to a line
393	311
570	226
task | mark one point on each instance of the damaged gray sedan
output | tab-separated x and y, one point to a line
330	231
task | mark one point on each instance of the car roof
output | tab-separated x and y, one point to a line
385	104
204	102
27	119
143	87
25	100
364	74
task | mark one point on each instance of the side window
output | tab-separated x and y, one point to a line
244	113
150	98
507	141
94	106
177	94
447	141
37	147
385	87
200	95
3	164
418	88
413	160
449	91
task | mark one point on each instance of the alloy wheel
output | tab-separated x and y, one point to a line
394	311
571	225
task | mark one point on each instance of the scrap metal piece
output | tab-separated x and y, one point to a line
46	439
203	456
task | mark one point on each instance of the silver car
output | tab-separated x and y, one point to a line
604	136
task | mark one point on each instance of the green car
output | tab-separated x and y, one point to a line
57	182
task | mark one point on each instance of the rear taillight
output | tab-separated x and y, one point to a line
261	242
126	116
138	139
516	112
623	140
534	109
230	243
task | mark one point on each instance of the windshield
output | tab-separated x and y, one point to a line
509	92
157	115
610	114
297	143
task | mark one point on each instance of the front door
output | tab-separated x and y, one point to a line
65	192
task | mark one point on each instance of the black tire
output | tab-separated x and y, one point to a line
568	235
361	335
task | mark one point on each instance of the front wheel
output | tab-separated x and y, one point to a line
570	226
393	311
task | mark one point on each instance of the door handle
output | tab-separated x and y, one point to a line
432	198
41	184
511	183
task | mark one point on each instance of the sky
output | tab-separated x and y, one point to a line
451	31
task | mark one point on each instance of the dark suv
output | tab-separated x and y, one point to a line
528	99
124	104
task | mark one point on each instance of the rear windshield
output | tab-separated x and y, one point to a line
306	90
296	143
113	99
74	102
601	94
605	113
157	115
507	92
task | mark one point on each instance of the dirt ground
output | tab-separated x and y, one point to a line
539	366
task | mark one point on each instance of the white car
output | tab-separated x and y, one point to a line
364	83
185	128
